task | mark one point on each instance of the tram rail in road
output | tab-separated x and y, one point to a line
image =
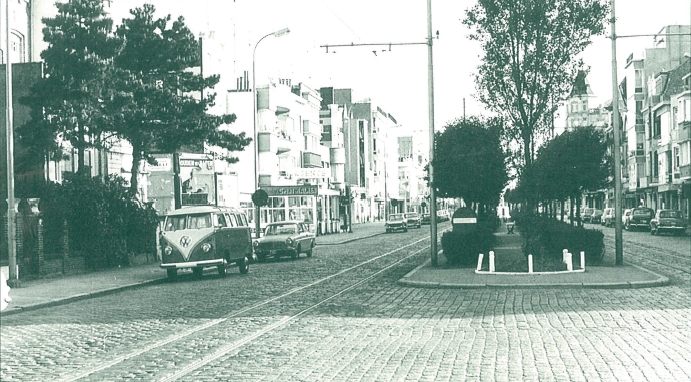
257	334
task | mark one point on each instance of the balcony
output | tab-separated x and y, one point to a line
276	143
684	133
311	160
338	155
309	127
685	171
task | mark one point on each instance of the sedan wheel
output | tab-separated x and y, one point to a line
244	265
309	253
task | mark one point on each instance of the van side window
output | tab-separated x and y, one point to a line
233	221
200	221
242	220
222	220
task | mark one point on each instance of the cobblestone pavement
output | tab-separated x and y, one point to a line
203	330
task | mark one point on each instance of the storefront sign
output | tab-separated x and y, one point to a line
311	173
162	165
291	190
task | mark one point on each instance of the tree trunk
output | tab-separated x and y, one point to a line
136	159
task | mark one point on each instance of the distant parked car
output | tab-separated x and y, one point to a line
396	222
607	217
413	220
286	238
668	221
625	216
586	213
426	219
640	218
443	215
596	217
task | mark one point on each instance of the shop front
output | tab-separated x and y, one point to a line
297	203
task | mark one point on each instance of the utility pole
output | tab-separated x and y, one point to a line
618	241
430	90
13	280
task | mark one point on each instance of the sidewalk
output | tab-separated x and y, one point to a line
41	293
509	246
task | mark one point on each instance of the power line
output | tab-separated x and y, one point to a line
341	20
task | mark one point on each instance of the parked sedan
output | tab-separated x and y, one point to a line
640	218
607	217
287	238
396	222
596	217
668	221
413	220
625	216
426	219
586	214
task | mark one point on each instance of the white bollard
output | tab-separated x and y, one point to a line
479	261
491	261
582	260
569	261
530	263
563	255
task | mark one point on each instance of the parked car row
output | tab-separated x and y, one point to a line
402	222
644	218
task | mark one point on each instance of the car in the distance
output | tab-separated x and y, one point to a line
596	217
426	219
286	238
586	214
443	215
668	221
413	220
625	216
640	218
607	219
396	222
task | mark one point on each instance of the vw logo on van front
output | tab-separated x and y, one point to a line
185	241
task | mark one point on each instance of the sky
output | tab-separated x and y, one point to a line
395	79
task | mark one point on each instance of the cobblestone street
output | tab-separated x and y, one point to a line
338	330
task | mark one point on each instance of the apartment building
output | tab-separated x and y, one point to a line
667	116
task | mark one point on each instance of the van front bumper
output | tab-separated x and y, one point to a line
195	264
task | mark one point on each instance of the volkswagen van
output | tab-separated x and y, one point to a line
205	236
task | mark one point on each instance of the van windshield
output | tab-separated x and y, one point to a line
195	221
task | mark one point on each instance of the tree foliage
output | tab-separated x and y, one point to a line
156	102
530	57
469	162
566	166
67	102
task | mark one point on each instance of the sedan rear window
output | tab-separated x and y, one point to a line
643	213
670	214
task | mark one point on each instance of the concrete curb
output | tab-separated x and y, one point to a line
660	281
83	296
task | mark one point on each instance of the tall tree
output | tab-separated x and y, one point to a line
67	101
470	162
531	50
155	102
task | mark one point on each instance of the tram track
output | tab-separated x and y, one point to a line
215	324
680	264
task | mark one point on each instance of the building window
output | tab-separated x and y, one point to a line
677	158
574	107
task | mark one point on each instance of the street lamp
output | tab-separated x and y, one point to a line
257	215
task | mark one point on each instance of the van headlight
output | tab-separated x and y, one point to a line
168	250
206	247
255	243
290	242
